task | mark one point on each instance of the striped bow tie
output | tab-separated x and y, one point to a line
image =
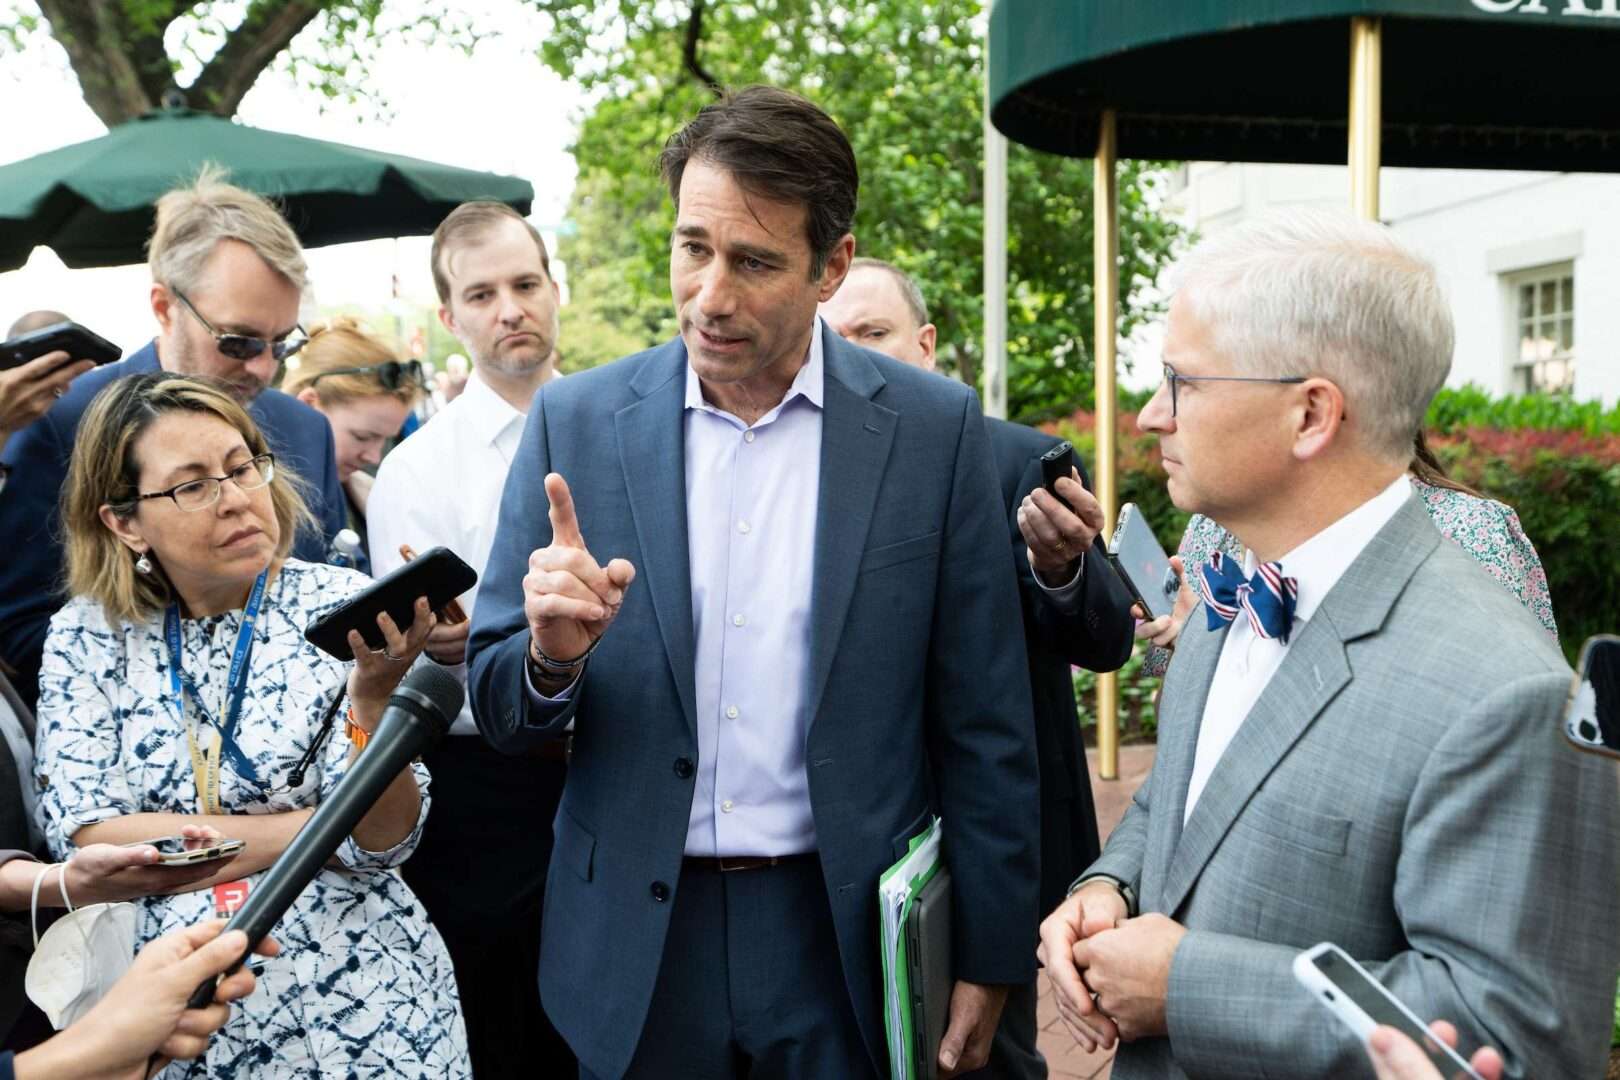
1267	598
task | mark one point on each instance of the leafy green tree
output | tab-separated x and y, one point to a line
904	78
129	54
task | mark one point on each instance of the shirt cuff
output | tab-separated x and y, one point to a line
1061	594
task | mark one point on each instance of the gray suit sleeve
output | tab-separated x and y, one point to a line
1122	857
1505	889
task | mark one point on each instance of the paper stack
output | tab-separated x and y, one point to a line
897	890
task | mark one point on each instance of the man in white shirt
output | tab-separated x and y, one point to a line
480	869
1359	742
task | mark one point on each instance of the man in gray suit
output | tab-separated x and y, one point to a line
1358	745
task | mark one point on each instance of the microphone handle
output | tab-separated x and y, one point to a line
401	735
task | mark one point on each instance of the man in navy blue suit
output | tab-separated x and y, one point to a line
792	639
1076	610
227	276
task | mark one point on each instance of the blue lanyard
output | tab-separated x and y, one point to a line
180	684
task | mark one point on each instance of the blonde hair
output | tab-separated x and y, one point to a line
191	221
104	472
338	345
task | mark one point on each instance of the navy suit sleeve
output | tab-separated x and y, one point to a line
334	513
302	438
30	573
496	650
983	728
1094	629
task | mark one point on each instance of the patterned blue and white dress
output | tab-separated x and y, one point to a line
363	986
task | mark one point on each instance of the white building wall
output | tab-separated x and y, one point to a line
1477	227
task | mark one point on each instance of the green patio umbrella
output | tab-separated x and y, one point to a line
1469	84
92	202
1485	84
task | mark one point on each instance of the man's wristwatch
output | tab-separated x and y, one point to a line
1126	893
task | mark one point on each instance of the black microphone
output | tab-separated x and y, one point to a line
418	714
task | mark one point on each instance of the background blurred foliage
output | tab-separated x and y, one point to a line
904	78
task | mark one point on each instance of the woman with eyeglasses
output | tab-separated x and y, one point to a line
351	377
177	689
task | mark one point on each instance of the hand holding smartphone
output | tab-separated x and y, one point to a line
182	851
438	575
78	342
1362	1003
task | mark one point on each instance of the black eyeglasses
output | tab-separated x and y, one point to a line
393	374
1172	376
203	492
240	346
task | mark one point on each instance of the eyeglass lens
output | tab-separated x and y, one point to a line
251	475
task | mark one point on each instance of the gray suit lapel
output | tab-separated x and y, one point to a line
856	435
1187	686
652	452
1314	671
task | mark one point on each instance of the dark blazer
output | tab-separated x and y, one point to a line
31	573
1094	630
918	694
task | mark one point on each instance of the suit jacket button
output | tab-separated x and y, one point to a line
660	891
683	768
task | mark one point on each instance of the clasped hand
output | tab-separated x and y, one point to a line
1110	974
569	599
1056	534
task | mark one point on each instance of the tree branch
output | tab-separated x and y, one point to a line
122	69
689	51
269	28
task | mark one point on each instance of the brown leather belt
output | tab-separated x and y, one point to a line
725	864
557	749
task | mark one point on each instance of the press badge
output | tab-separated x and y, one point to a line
228	896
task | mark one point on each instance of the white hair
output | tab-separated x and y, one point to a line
1319	293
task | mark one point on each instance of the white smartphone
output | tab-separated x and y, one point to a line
1592	713
1349	992
1142	563
178	851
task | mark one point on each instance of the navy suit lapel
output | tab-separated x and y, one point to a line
856	434
652	452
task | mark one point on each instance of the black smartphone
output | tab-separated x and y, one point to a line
1056	463
438	574
69	337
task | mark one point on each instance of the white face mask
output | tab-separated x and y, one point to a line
79	958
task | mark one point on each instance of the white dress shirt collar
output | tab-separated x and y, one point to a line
808	383
1321	561
486	412
1248	661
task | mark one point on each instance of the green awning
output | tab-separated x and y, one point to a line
1496	84
92	201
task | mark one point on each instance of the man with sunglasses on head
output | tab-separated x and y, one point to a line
228	274
443	486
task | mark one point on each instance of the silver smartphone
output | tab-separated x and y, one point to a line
1348	991
179	851
1142	563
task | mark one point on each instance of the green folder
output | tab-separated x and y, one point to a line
914	940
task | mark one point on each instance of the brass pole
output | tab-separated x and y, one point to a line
1105	297
1366	112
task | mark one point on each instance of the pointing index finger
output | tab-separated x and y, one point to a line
564	524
